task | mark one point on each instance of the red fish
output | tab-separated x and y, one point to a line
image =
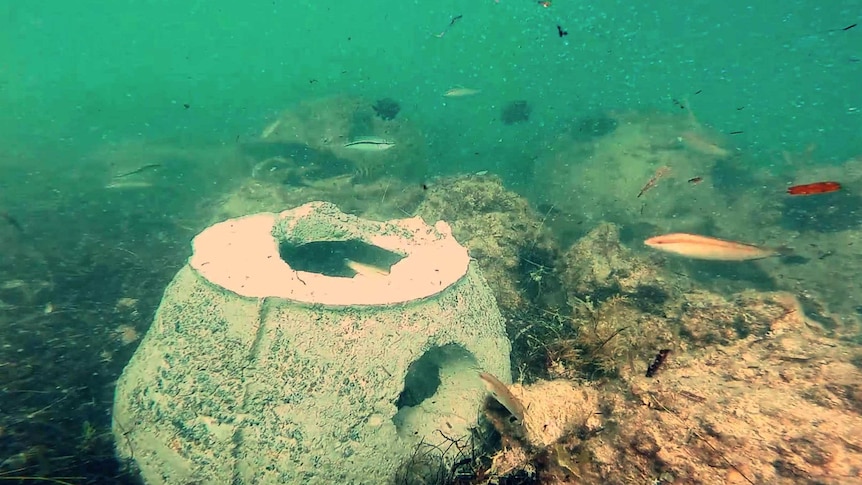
815	188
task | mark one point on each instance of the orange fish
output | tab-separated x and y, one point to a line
714	249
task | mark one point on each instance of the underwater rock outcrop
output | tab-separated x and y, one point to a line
592	127
319	137
598	265
635	170
515	250
379	199
779	403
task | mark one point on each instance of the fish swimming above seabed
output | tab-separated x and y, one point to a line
460	92
370	144
709	248
139	170
121	185
270	129
814	188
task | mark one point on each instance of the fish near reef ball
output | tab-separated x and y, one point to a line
709	248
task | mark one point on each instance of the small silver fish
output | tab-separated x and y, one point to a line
270	128
460	92
370	144
121	185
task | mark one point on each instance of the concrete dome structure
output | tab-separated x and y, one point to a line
309	346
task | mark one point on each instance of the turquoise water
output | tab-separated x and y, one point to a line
78	72
78	76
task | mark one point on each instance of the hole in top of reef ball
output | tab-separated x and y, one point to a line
338	258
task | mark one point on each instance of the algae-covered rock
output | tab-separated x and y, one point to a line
507	237
637	172
614	334
378	199
779	404
598	266
555	411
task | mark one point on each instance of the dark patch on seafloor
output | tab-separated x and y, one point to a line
595	127
515	112
731	276
386	108
66	351
540	281
650	298
730	176
832	212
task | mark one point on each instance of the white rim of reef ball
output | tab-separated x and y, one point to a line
242	255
